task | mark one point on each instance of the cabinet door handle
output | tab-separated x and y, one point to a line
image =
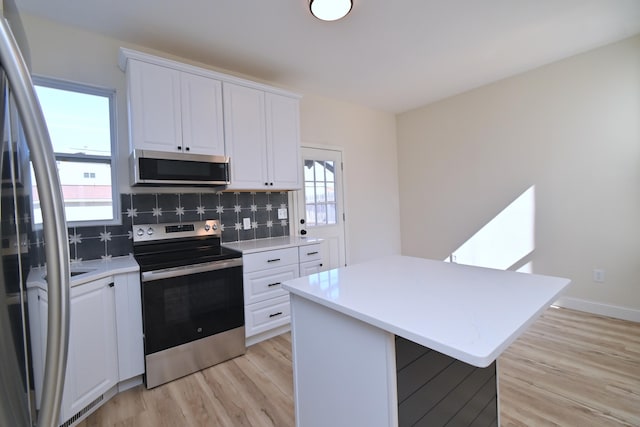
312	253
111	285
274	284
273	260
187	149
275	314
179	147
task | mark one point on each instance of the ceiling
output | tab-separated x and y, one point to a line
388	55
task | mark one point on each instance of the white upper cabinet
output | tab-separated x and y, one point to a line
202	126
175	111
177	107
262	138
283	141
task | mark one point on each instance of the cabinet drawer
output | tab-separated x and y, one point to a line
310	267
262	285
309	253
269	259
266	315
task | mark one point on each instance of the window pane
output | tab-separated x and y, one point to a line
77	122
309	195
87	192
311	215
78	118
320	197
330	172
331	195
331	214
319	166
321	218
308	170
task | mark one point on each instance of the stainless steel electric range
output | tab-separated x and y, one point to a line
192	298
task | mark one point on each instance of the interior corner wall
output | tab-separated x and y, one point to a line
572	130
368	137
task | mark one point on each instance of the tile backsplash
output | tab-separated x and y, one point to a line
230	208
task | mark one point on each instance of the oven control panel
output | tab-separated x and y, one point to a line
152	232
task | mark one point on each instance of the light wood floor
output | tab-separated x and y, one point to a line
568	369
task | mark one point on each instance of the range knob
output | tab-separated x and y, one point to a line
215	226
140	232
150	231
207	227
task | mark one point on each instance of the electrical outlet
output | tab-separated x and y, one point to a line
282	214
598	275
246	223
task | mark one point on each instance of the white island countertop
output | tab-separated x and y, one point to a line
469	313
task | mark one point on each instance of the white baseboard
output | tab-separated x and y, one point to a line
608	310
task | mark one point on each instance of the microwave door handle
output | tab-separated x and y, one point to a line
53	219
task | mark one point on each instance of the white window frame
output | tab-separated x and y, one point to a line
112	160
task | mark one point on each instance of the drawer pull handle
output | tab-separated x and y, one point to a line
312	253
274	284
275	314
273	260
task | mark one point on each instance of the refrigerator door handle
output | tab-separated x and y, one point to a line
53	220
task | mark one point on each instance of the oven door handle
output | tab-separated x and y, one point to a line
167	273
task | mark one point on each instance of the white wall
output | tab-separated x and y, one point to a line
572	130
367	136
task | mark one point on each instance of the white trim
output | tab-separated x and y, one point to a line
322	147
345	221
618	312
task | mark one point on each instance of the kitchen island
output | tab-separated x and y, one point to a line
407	341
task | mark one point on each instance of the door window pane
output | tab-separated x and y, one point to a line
308	170
311	214
330	174
319	192
331	214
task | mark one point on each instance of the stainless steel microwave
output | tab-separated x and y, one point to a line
163	168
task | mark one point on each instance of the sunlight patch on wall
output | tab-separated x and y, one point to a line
506	241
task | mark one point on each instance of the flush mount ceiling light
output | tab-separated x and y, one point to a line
330	10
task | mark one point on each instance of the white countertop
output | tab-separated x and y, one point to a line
260	245
90	270
469	313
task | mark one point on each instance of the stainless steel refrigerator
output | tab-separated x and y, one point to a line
25	137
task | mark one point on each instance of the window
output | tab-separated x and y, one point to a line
319	192
81	124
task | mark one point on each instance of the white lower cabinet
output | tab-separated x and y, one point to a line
267	315
267	311
105	341
92	363
310	259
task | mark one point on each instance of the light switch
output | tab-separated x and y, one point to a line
246	223
282	214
